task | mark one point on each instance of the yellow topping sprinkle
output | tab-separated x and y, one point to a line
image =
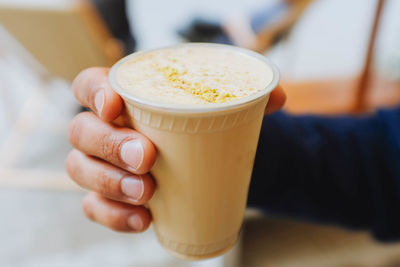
202	91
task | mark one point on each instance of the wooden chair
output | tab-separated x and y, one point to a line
363	93
265	38
55	39
240	32
64	38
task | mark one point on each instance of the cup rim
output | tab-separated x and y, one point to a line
166	107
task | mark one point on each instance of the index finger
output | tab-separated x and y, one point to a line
92	90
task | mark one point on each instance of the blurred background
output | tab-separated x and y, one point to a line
335	56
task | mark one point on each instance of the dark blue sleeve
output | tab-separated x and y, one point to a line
339	170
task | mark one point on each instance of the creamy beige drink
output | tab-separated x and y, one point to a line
202	106
193	76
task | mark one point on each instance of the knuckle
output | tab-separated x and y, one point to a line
83	83
74	167
116	220
111	146
104	183
77	81
70	163
75	128
87	208
81	80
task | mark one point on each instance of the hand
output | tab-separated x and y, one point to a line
113	161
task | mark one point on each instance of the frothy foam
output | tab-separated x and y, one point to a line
193	75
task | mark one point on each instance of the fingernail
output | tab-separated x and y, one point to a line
132	187
132	153
135	222
99	102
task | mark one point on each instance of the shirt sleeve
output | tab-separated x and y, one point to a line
337	170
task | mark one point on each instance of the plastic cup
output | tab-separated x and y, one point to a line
204	163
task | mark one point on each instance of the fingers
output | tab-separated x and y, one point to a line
110	181
115	215
92	89
122	147
276	100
